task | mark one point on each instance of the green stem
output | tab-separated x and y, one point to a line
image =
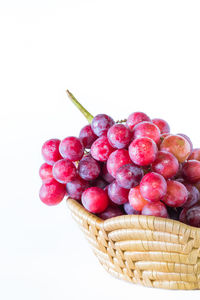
87	115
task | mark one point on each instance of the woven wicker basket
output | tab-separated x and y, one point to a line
151	251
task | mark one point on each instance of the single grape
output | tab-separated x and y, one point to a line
119	136
177	194
71	148
52	192
193	216
166	164
101	149
88	168
191	171
135	199
147	129
162	125
193	196
95	200
106	175
188	139
195	154
129	210
117	159
64	171
101	123
50	151
117	194
136	118
76	187
157	209
143	151
87	136
129	176
45	172
111	212
153	187
177	145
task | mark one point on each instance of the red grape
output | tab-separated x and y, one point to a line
177	145
129	176
166	164
87	136
101	123
177	194
64	171
117	194
136	118
50	151
147	129
76	187
88	168
191	171
117	159
188	139
129	210
119	136
45	172
193	196
135	199
95	200
157	209
111	212
52	192
195	154
106	175
101	149
143	151
193	216
71	148
153	187
162	125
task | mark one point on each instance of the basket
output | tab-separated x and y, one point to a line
154	252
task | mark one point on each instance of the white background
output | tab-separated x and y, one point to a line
116	57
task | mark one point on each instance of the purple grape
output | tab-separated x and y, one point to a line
101	123
129	210
193	196
76	187
88	168
87	136
129	176
99	182
111	212
193	216
117	194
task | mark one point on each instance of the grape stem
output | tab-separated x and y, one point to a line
87	115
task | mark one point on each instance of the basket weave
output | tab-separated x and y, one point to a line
152	251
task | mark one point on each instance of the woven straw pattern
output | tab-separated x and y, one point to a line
151	251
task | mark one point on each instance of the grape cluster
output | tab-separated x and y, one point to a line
135	167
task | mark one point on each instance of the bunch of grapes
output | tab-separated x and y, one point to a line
133	167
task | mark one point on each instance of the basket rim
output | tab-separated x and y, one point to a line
76	205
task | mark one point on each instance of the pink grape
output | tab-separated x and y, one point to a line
193	196
88	168
191	171
143	151
129	210
147	129
117	194
162	125
95	200
87	136
64	171
111	212
135	199
117	159
166	164
129	175
119	136
71	148
195	154
101	123
153	187
76	187
177	194
45	172
136	118
52	192
177	145
50	151
157	209
101	149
